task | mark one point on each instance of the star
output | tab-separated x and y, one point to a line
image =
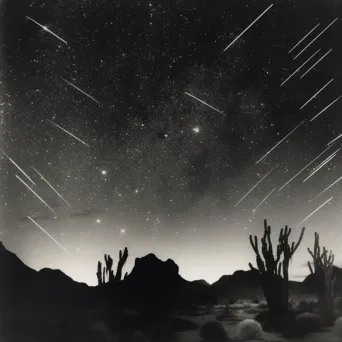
104	172
122	231
98	221
196	129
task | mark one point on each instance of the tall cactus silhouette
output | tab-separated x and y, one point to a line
322	269
108	269
274	273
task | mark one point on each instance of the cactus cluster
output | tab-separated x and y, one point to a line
107	271
273	271
322	269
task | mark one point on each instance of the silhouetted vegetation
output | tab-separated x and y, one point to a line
213	331
274	273
323	272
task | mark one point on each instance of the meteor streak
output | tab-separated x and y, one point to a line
314	39
194	97
316	63
278	143
315	168
320	166
74	136
249	26
322	205
324	109
335	139
316	94
51	237
321	193
258	206
16	165
253	187
304	37
47	30
301	66
304	168
83	92
36	194
41	176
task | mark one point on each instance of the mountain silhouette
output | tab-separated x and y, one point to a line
153	285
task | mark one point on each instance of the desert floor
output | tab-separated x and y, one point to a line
96	330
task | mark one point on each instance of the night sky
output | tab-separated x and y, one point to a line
99	104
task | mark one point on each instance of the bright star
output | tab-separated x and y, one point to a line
104	172
196	129
98	221
122	231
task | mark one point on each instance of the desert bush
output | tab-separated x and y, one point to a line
213	331
307	306
290	325
306	323
225	315
249	329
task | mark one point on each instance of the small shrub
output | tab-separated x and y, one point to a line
249	329
256	301
310	306
214	332
307	322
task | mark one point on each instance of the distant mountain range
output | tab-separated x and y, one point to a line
152	281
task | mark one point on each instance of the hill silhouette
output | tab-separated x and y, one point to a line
152	283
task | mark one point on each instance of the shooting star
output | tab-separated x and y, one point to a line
316	63
74	136
249	26
253	188
322	205
36	195
332	141
42	177
51	237
320	166
47	30
279	143
326	189
315	168
301	66
314	39
258	206
16	165
304	37
316	94
304	168
324	109
194	97
83	92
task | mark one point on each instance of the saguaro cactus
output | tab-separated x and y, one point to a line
99	273
274	273
323	271
108	269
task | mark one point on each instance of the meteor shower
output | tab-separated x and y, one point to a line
170	170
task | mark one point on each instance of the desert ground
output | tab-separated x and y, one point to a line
91	326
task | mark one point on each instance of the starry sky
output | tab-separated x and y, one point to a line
145	123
